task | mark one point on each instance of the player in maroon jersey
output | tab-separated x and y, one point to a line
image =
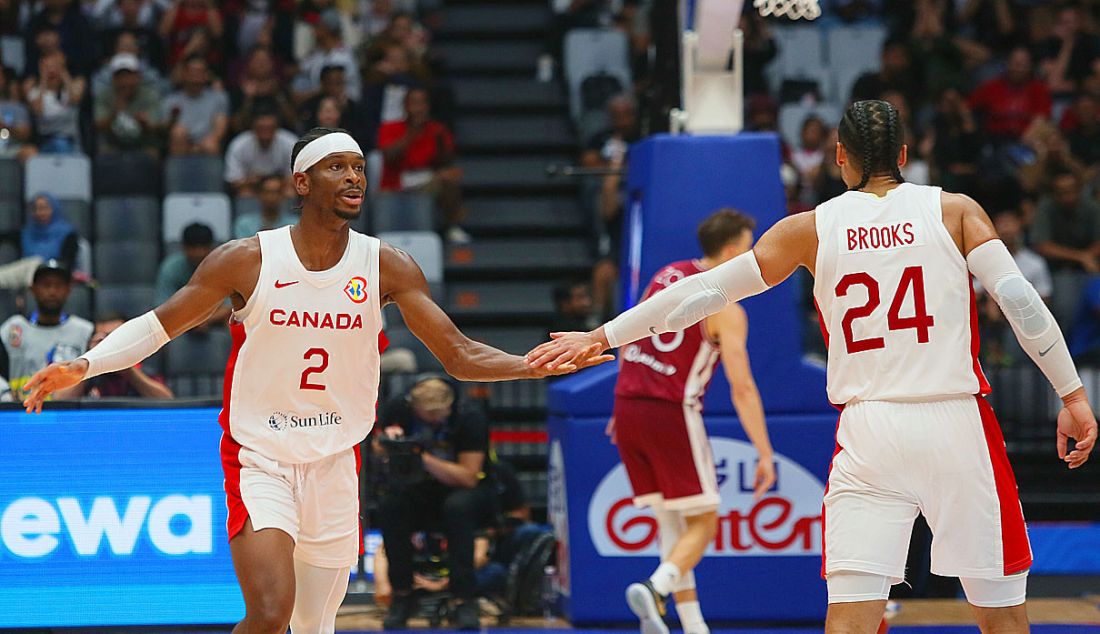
658	428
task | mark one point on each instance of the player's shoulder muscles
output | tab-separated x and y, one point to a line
966	221
233	267
398	273
788	244
729	325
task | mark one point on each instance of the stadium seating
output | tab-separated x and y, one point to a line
194	174
126	262
11	214
127	174
79	214
853	51
12	51
800	54
126	299
504	300
402	211
589	52
425	247
135	217
210	209
66	176
402	338
11	180
199	352
79	302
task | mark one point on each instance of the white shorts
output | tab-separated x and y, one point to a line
316	503
945	459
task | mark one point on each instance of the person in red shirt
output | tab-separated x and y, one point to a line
1010	103
419	156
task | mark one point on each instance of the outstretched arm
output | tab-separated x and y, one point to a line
220	275
1039	335
791	243
403	283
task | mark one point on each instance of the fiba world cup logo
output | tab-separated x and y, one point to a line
356	290
278	421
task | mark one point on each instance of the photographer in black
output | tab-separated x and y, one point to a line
437	466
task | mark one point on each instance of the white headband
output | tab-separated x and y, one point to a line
321	147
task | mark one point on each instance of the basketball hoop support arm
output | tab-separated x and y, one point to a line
712	95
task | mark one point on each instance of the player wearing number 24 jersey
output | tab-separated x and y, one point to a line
302	380
892	264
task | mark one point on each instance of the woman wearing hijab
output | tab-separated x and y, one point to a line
47	234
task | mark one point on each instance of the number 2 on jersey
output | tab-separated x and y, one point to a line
314	369
912	278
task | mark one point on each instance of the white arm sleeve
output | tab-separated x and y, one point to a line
126	346
1035	328
688	301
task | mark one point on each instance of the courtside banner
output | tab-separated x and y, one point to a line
113	517
765	561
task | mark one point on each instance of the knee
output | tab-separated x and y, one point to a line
1002	620
271	612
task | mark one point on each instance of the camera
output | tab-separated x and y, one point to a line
403	459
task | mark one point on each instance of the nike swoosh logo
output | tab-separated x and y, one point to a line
1044	352
653	329
279	284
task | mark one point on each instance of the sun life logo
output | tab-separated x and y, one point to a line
356	290
278	421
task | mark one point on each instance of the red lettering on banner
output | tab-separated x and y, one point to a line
641	520
737	531
279	315
309	320
862	231
851	239
880	236
327	321
294	320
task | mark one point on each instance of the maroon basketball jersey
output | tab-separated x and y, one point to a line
675	366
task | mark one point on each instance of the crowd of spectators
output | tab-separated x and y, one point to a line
998	100
237	80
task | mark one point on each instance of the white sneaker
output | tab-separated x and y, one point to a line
458	235
648	606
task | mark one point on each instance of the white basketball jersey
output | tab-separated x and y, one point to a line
302	381
895	299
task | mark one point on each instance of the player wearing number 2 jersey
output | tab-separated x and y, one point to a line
892	265
301	383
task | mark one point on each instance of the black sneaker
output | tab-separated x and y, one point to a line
401	610
649	606
467	616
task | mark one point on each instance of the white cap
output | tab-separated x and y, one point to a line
124	61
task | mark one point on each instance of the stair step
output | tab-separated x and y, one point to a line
531	300
509	93
513	172
485	18
513	132
516	255
515	215
504	55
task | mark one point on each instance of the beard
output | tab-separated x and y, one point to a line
348	215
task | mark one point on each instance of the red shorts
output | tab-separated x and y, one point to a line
667	456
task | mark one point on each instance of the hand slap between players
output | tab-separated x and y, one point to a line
54	377
568	348
572	359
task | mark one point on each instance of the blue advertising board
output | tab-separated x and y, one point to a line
113	517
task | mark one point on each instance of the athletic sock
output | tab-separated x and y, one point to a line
665	577
691	618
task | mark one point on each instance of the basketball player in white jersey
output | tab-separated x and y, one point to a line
301	383
892	265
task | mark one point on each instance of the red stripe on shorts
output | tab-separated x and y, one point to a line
836	451
230	448
1017	550
976	344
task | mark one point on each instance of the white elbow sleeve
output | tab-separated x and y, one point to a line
688	301
126	346
1031	320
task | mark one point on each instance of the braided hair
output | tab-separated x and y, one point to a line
871	131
